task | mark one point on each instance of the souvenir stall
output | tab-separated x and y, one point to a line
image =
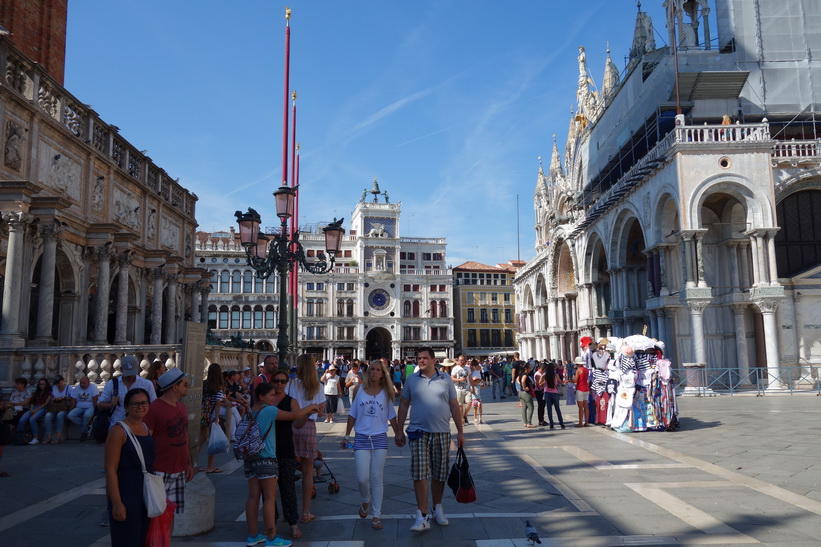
633	385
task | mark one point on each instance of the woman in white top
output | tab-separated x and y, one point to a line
57	410
371	410
353	379
333	387
305	389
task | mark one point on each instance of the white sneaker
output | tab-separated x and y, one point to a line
421	523
439	515
34	441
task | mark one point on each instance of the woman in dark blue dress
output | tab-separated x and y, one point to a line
124	473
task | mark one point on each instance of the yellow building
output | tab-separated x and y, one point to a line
484	308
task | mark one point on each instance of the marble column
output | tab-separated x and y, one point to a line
661	314
17	223
699	237
697	308
768	308
195	304
121	320
45	302
204	304
744	265
757	266
770	242
657	271
687	260
156	306
170	320
653	324
104	255
664	288
735	278
742	355
650	290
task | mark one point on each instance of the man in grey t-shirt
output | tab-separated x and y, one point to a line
431	398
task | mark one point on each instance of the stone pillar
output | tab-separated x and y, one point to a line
45	303
657	271
171	310
687	260
735	278
204	304
664	289
122	298
661	315
757	277
697	308
156	306
768	308
742	355
743	264
699	237
653	324
770	239
195	304
650	290
17	222
104	255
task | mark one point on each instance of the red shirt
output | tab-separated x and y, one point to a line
261	377
583	383
169	427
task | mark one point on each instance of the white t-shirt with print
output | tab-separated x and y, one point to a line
372	413
85	397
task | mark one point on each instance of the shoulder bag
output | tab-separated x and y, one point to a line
100	426
459	479
154	494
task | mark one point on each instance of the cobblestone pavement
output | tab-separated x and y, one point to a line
742	470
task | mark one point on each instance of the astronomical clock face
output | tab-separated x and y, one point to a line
379	299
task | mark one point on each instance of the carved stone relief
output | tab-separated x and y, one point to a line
151	222
13	156
126	209
98	194
169	234
59	172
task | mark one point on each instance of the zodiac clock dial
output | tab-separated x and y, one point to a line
379	299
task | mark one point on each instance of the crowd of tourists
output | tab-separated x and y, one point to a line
146	424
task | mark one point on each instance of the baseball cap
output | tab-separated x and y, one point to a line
129	365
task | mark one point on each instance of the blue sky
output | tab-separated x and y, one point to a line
448	103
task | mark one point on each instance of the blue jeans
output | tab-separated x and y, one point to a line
497	386
61	419
552	400
81	416
28	417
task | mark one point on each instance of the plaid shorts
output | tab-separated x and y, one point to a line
175	489
429	456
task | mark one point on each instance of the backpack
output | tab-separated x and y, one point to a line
249	444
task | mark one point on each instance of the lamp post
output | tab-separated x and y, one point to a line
267	255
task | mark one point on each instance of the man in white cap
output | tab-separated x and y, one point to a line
129	366
167	420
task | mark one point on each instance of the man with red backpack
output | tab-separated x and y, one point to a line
269	367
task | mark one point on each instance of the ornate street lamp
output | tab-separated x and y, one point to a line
267	255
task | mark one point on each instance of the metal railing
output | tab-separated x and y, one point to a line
792	380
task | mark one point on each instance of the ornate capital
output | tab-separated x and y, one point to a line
740	308
125	259
51	231
697	306
171	277
767	306
104	252
17	220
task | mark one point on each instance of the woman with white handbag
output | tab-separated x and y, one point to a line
127	511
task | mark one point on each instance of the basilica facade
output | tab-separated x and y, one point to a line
686	200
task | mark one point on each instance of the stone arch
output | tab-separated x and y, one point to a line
597	271
759	211
620	234
666	218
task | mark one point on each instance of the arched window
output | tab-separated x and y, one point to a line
406	309
798	242
320	307
246	317
235	316
416	307
215	281
236	281
349	308
247	282
443	308
212	317
433	308
258	323
340	307
225	279
309	307
259	285
223	317
270	314
270	285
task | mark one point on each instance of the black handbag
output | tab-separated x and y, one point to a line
460	480
102	419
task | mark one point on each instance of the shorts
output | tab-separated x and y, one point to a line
261	469
462	396
581	395
175	489
477	401
305	440
429	456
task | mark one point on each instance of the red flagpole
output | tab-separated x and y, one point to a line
285	107
295	179
294	184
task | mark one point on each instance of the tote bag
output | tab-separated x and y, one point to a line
153	486
460	480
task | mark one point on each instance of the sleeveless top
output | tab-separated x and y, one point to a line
284	432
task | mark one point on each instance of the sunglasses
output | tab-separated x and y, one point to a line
138	403
279	381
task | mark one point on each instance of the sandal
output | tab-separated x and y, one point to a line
376	524
215	470
308	517
296	533
363	510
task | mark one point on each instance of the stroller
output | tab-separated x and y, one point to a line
319	463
